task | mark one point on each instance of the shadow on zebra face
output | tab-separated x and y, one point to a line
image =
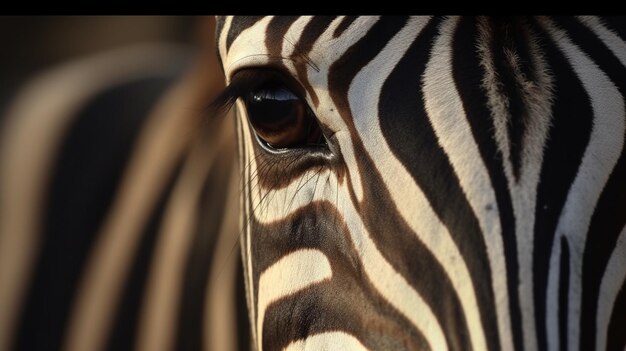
380	183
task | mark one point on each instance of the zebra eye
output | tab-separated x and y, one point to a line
281	119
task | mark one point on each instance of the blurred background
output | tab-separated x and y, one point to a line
31	44
116	148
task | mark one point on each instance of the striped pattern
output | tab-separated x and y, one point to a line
118	203
473	194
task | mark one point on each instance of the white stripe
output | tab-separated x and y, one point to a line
244	230
249	172
613	279
325	52
604	148
248	49
608	37
447	116
552	296
290	39
328	341
221	45
289	275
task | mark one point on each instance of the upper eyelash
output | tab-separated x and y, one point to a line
243	83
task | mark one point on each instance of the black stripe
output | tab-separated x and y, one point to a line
356	57
520	43
612	201
606	224
88	168
219	26
275	34
567	140
209	221
563	294
616	338
311	32
124	328
506	32
238	25
345	24
468	76
344	304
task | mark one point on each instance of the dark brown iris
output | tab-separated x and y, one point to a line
281	119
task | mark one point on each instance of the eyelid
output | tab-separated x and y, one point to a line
245	80
268	74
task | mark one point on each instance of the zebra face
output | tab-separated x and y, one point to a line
415	183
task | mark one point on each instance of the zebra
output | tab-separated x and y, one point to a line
430	182
400	183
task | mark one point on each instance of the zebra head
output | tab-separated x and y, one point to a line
430	183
